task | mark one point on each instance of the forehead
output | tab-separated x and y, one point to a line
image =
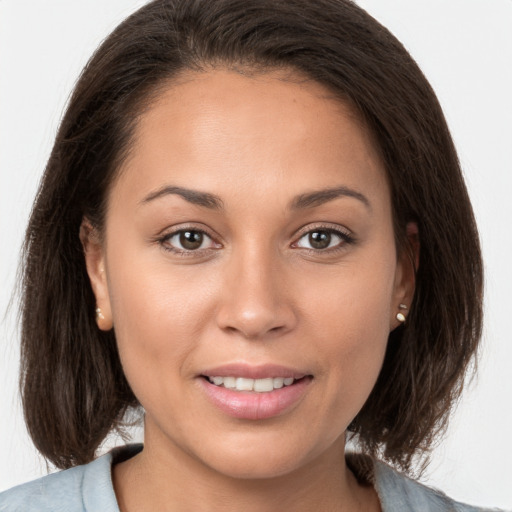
272	130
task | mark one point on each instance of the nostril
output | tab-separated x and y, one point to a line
253	317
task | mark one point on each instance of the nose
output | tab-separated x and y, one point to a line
256	301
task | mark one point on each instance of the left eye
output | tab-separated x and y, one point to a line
319	239
189	240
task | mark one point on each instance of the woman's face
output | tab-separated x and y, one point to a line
249	243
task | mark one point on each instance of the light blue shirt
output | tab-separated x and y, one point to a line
89	488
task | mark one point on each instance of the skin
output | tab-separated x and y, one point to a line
256	292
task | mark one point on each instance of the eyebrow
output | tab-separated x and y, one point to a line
214	202
319	197
204	199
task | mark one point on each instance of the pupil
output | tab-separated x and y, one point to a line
191	239
320	239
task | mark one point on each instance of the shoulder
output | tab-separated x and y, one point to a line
79	489
400	493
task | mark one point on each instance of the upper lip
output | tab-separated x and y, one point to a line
248	371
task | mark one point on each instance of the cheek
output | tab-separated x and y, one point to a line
158	319
350	321
351	303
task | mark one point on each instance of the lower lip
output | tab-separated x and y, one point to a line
251	405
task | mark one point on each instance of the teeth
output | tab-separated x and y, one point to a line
244	384
263	385
278	382
229	382
258	385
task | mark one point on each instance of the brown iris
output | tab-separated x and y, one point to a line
320	239
191	240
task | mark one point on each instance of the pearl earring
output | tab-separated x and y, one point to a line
99	314
400	316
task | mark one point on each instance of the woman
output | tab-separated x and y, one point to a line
238	230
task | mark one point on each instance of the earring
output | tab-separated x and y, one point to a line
400	316
99	314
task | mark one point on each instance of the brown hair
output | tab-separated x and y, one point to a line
73	386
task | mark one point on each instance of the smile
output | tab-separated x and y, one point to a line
258	385
254	398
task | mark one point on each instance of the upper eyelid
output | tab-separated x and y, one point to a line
165	235
170	232
345	234
326	226
164	241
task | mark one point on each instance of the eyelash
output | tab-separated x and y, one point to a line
163	241
346	239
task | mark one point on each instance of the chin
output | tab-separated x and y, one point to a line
256	468
264	458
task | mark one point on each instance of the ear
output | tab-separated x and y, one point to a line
405	276
96	269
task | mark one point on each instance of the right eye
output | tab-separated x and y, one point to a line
187	240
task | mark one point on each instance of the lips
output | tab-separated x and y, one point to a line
254	392
249	371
